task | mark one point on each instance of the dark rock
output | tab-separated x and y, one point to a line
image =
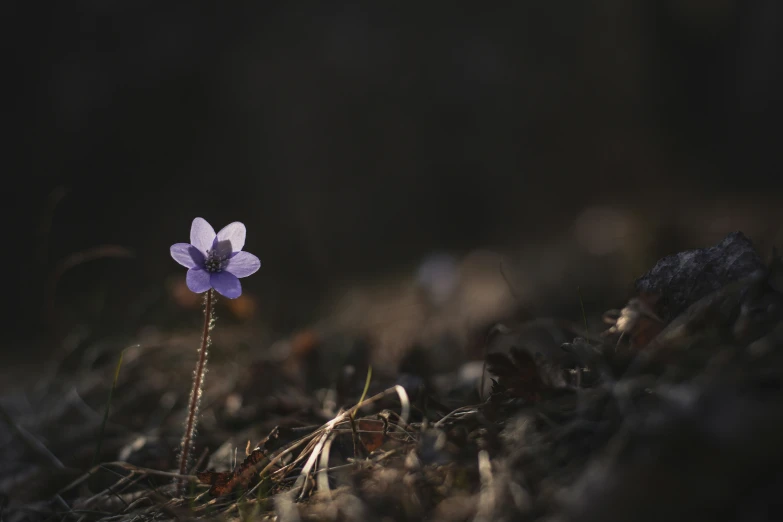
683	278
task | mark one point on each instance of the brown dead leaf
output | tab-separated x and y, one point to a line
224	482
372	433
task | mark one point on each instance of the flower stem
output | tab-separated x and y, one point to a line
198	385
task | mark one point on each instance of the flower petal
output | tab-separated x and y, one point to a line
201	234
243	264
222	248
187	255
234	232
197	280
226	284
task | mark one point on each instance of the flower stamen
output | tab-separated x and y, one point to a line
214	262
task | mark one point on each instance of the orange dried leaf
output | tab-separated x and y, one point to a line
372	433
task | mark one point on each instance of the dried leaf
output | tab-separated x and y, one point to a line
372	433
224	482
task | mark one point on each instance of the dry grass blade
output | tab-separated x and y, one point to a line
323	477
317	439
106	411
459	412
76	259
128	467
301	482
35	445
487	499
405	403
327	429
354	434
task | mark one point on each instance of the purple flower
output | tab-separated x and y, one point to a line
215	260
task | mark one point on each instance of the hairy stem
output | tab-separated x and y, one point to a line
198	385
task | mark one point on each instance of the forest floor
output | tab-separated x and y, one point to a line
673	412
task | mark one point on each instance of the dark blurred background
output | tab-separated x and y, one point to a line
354	140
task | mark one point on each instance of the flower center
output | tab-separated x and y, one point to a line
215	262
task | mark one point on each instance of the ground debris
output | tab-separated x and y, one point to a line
675	414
